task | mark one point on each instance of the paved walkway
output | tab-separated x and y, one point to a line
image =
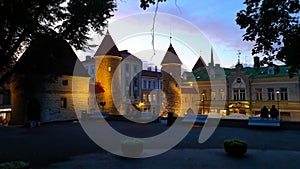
66	145
187	158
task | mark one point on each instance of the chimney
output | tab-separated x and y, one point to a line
149	68
155	68
256	62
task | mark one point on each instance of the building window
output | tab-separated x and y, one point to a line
271	71
136	69
65	82
149	98
242	94
271	94
222	94
258	92
283	94
145	97
213	95
144	84
239	94
154	97
154	85
92	69
109	69
149	84
63	102
127	68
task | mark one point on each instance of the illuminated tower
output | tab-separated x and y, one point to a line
171	81
107	60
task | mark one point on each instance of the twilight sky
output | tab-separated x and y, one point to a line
195	26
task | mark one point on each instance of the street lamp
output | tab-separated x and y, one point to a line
203	96
277	92
141	104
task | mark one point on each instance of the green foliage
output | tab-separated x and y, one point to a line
274	26
133	141
132	147
14	165
235	147
146	3
23	20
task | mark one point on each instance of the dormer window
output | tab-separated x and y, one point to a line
271	71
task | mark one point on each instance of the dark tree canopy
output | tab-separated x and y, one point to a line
22	20
146	3
274	26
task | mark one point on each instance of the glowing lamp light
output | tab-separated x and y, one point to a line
5	109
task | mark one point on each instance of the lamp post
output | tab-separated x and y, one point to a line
203	96
277	92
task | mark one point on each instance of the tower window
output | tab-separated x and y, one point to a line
63	102
109	69
65	82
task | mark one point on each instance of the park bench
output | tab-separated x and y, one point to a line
146	115
195	118
268	122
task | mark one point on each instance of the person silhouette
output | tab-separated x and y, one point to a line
274	112
264	112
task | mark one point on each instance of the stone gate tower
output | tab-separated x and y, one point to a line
107	60
171	81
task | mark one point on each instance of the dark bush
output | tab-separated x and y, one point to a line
235	147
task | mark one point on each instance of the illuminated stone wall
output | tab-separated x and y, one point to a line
107	67
171	82
49	93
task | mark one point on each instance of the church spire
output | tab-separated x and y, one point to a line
239	55
212	57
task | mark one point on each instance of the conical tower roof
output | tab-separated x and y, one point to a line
199	64
171	56
58	58
107	47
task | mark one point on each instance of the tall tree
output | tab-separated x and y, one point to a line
22	20
274	26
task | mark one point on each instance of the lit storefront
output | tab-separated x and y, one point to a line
5	113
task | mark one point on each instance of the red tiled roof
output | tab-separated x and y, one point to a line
151	73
